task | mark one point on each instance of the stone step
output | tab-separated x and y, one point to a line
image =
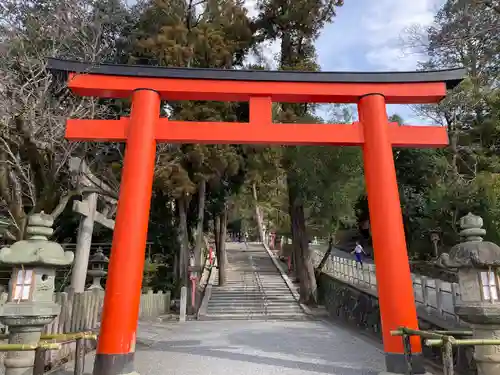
252	305
215	312
291	301
276	316
252	293
256	310
254	289
268	293
250	300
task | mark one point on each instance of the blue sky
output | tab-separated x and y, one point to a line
366	36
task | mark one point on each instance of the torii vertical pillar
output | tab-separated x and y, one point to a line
394	282
116	346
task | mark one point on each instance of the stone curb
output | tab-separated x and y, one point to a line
287	280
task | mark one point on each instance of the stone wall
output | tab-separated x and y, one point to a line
359	308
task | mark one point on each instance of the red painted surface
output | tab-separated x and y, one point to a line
394	283
193	290
240	91
126	264
144	128
257	133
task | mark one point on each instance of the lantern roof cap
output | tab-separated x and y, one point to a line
99	257
473	252
37	249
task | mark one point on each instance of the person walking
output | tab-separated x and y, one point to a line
246	239
358	251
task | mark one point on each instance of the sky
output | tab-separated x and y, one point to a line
366	36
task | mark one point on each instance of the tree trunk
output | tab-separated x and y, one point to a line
258	213
198	249
222	243
216	234
325	257
303	265
183	241
218	247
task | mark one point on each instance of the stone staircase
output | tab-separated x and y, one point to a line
254	289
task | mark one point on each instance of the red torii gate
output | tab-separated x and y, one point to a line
148	85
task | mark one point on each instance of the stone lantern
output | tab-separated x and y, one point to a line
30	304
478	265
97	269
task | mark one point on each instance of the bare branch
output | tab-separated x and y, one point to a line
490	4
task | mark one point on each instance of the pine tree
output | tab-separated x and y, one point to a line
297	24
215	34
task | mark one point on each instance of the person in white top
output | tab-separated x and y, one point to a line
358	250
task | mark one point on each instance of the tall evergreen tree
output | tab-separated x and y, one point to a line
297	25
211	34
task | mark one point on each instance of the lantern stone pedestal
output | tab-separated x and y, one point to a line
30	303
97	269
478	265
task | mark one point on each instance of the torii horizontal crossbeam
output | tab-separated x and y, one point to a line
255	133
119	81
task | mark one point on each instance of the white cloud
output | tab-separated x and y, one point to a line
385	21
269	50
392	58
251	6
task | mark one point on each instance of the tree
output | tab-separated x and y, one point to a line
439	186
206	34
297	25
34	106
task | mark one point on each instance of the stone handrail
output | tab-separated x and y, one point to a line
436	297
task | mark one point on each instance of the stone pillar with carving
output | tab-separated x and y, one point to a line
97	269
478	266
30	305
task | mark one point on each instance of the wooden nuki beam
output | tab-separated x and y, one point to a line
256	133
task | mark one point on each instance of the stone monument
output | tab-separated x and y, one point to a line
30	305
87	208
478	265
97	269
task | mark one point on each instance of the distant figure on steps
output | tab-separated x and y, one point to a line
358	251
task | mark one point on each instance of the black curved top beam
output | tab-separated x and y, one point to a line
452	77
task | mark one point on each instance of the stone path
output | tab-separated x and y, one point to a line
254	288
254	347
250	348
287	345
